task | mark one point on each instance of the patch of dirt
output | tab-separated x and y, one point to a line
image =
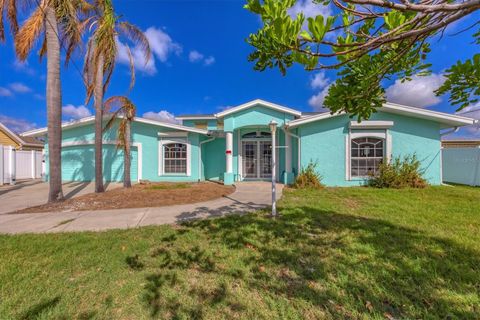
139	196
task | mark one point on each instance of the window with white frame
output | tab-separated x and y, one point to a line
366	155
175	158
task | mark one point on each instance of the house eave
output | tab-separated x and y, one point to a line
255	102
91	119
445	119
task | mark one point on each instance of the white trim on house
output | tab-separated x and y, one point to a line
448	120
196	118
138	145
258	102
175	134
161	160
371	124
91	119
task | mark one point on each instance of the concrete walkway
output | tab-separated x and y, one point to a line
30	193
248	197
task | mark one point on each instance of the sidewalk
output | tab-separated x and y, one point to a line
247	197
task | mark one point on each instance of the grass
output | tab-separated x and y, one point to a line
169	186
356	253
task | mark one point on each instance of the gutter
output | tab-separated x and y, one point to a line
200	157
299	150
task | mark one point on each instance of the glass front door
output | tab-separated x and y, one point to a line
257	159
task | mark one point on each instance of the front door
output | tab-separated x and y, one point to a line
257	159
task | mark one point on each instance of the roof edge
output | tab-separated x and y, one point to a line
452	120
255	102
87	120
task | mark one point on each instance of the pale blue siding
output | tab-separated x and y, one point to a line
324	142
78	163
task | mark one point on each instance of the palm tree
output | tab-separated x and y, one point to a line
57	22
10	7
127	110
100	62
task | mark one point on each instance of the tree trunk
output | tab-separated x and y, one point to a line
98	100
54	107
127	183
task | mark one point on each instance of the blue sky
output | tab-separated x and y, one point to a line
200	66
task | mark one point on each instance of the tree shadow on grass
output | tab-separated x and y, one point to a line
345	266
38	309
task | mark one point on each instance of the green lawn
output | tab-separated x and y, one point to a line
354	253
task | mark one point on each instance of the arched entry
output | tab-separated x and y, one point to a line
257	155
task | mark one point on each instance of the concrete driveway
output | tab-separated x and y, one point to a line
248	197
29	193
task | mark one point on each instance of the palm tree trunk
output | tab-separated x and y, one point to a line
54	107
127	183
98	99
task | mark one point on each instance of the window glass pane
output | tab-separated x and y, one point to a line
366	154
175	158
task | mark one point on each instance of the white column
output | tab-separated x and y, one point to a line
12	167
32	162
2	165
274	171
229	152
288	153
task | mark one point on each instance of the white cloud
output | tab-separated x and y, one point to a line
316	101
195	56
472	112
319	80
223	108
39	96
17	125
19	87
163	116
209	61
73	112
4	92
23	66
161	45
419	92
309	9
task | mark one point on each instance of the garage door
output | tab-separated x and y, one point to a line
78	163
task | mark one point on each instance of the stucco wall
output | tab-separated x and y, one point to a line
144	134
324	142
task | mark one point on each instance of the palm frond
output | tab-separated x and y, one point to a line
132	68
12	16
2	27
29	33
125	107
43	49
134	34
67	13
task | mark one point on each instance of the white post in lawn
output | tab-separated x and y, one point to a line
229	151
273	129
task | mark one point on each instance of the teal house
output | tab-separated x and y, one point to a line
240	143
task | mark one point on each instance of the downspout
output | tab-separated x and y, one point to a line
299	149
200	157
454	130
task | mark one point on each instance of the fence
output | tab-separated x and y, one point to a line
19	165
461	165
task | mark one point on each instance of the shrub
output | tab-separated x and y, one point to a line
399	173
308	178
